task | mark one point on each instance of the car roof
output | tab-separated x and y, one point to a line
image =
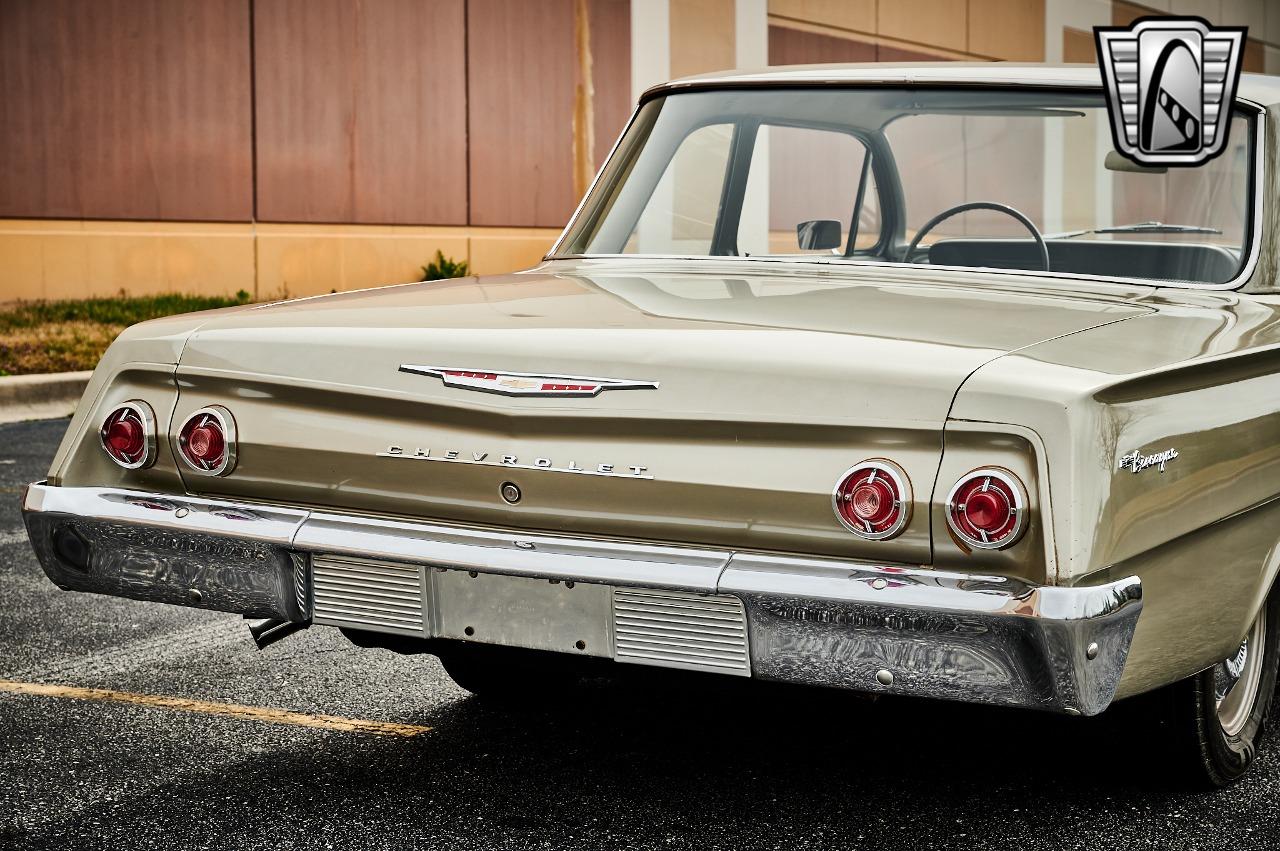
1258	88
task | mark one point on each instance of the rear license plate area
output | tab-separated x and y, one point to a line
539	614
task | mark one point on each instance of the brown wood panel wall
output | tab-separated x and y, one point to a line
889	53
701	36
521	79
130	109
1007	29
361	111
610	72
797	47
1078	46
941	23
145	109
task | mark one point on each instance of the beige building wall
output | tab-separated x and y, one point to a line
59	259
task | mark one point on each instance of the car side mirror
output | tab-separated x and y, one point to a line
818	235
1116	161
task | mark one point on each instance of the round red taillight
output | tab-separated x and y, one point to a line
987	509
873	500
207	441
128	435
205	444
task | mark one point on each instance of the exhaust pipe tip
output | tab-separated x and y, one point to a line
268	631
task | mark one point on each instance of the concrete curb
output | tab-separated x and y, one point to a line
33	397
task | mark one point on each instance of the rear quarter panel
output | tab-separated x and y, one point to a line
1200	376
139	364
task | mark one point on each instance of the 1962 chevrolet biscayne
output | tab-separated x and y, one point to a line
890	378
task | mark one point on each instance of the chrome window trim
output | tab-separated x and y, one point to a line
552	254
1247	270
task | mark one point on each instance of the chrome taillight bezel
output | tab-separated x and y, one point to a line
146	417
227	424
1019	508
904	501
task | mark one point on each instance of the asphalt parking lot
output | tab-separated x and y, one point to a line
115	731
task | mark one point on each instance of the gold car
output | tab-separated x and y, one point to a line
892	379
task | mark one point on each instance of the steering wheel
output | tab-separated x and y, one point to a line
981	205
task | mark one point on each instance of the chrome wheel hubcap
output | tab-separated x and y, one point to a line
1237	678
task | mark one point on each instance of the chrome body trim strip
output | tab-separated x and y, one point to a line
168	513
821	621
514	553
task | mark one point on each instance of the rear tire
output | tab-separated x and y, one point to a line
510	675
1213	721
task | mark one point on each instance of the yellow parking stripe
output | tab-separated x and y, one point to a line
227	710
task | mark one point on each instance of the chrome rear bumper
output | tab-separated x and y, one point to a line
985	639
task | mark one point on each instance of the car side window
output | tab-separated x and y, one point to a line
807	179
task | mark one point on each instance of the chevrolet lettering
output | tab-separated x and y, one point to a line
453	455
909	380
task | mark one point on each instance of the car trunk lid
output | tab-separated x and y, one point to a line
748	398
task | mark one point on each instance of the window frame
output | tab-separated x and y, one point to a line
735	185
